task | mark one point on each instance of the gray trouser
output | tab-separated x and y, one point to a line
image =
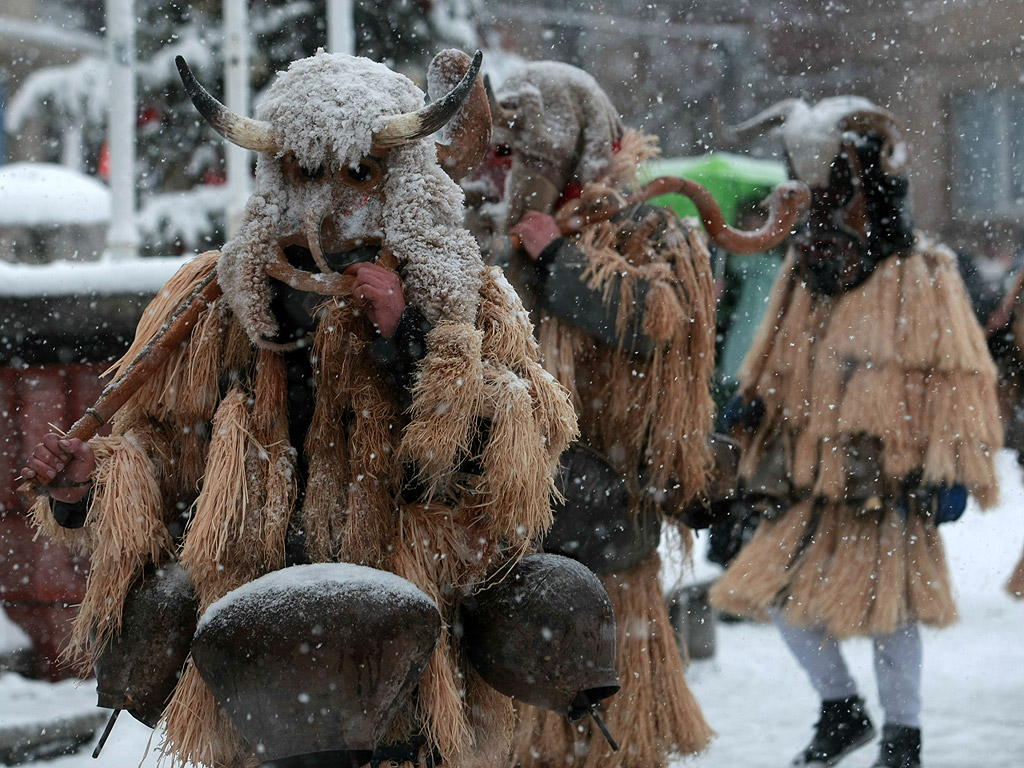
897	668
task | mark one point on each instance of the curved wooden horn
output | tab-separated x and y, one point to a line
251	134
893	156
785	202
470	131
499	115
431	118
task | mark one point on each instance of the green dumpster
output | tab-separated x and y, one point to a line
737	183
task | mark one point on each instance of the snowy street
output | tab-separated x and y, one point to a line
752	691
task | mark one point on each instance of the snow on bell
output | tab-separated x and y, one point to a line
140	666
316	658
544	634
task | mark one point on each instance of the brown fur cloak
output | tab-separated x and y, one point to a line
898	363
659	411
211	431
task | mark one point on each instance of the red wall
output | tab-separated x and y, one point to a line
40	584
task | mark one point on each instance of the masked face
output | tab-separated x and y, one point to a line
860	218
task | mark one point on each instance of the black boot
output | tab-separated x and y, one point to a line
900	747
843	726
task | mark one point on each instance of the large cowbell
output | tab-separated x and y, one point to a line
595	524
544	634
317	658
140	666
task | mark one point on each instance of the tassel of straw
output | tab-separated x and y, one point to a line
851	575
424	557
517	482
212	552
369	535
889	609
507	330
197	729
325	506
929	590
809	586
491	719
446	403
919	325
127	515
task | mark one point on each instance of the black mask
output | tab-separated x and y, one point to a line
861	218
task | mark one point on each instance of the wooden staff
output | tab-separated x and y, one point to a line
786	202
151	357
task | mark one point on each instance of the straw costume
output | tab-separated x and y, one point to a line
876	403
429	454
625	318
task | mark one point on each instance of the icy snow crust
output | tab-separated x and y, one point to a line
322	580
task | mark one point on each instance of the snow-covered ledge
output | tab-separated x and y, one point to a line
105	277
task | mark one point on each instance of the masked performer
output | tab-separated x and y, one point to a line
869	412
624	310
1006	340
364	391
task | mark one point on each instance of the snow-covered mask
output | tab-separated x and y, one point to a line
345	170
558	126
852	156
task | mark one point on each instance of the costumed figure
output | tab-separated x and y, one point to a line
868	412
622	298
348	435
1006	340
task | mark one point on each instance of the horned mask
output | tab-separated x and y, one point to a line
346	164
853	156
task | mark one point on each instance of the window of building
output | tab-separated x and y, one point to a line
988	160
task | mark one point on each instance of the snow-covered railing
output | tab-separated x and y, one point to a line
105	277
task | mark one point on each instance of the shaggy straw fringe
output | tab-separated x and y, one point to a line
446	403
127	517
654	716
198	730
664	406
1015	586
756	578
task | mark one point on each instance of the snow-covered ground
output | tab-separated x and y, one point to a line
756	697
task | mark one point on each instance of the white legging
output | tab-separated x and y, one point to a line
897	668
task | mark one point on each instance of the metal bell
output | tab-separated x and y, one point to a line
595	523
316	658
544	634
140	666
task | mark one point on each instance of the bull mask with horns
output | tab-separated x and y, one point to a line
345	167
853	156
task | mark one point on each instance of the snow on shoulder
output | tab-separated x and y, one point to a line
318	580
46	194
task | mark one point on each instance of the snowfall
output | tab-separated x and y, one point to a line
752	691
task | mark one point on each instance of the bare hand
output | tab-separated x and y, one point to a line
64	465
536	231
381	289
